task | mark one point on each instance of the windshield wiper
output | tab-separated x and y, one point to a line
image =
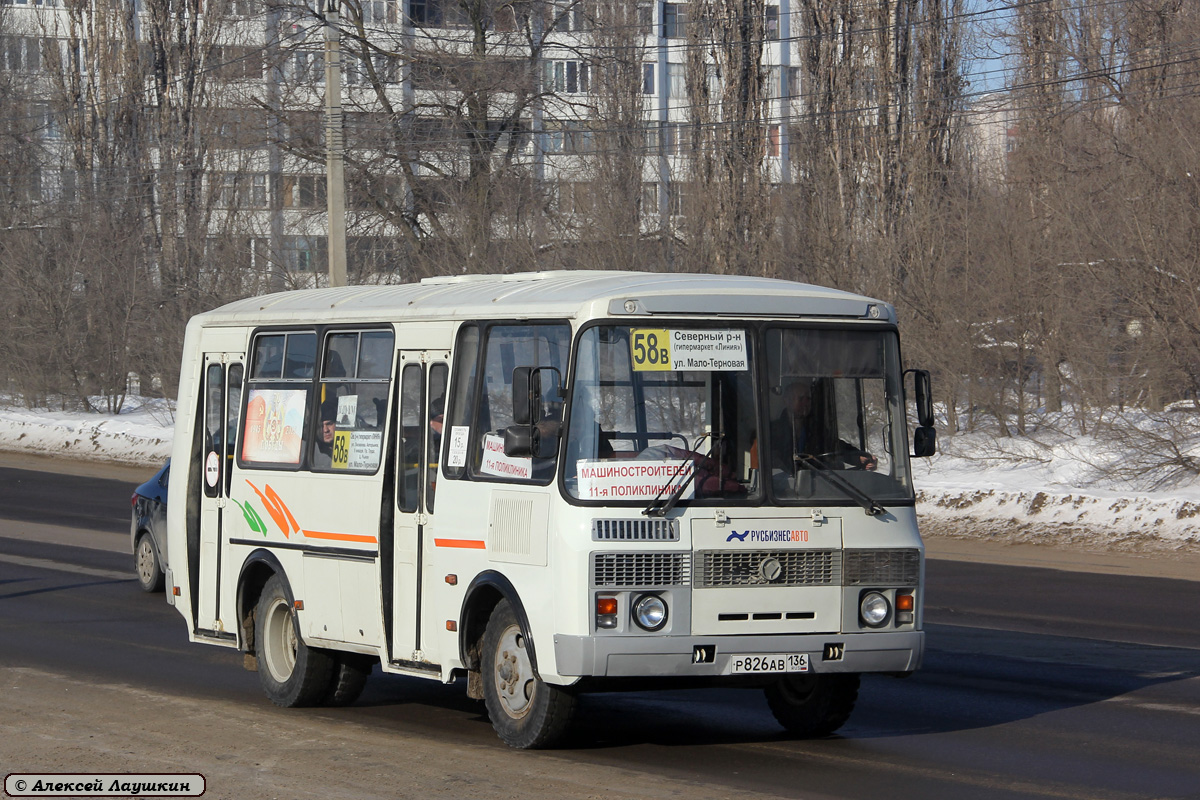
848	488
654	509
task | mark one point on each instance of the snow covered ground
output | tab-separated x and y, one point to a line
1059	497
1054	489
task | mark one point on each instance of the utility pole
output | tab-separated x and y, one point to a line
274	254
335	190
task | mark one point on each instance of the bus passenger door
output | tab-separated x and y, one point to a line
419	433
223	373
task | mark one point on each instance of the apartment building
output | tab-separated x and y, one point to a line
436	96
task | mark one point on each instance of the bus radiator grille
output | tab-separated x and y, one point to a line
883	567
628	570
756	567
635	530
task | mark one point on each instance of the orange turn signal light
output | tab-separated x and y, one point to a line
905	602
606	605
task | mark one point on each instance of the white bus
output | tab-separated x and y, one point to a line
552	483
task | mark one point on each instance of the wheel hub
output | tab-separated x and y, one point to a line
514	673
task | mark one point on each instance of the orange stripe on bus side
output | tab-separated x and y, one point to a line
340	537
470	544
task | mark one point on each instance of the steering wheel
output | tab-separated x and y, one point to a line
840	455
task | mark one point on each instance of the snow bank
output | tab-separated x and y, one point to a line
1054	489
140	435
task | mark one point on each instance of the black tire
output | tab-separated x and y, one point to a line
526	712
815	704
291	673
146	565
349	678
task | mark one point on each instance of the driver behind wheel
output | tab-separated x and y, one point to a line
801	431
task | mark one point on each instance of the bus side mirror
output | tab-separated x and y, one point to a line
539	441
924	387
518	440
522	396
924	442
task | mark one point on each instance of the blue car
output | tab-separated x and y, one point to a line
148	530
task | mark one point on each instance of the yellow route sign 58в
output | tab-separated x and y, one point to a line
670	350
651	350
341	449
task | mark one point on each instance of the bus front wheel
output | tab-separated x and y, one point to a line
814	704
526	712
291	673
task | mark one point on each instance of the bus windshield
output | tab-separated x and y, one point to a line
655	409
834	405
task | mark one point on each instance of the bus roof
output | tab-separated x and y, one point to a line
563	294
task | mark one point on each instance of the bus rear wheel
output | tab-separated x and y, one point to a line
291	673
526	712
348	679
813	705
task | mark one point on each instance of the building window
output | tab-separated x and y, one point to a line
772	26
648	77
305	66
244	8
378	12
436	14
568	138
303	191
258	190
645	19
672	138
239	63
566	77
650	198
773	141
675	199
304	253
675	18
20	53
677	81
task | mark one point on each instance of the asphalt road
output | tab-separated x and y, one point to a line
1037	682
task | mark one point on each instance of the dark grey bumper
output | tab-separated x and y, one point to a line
647	656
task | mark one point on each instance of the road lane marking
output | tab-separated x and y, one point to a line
1169	707
63	566
967	778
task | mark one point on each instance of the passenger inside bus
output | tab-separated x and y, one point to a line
323	452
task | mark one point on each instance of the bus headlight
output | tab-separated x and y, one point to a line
874	609
650	612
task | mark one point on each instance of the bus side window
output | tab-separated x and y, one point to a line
278	395
410	438
352	401
510	346
466	363
435	416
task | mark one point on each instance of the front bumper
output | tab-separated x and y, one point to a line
662	656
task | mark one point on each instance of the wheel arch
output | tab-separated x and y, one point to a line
482	596
142	532
256	570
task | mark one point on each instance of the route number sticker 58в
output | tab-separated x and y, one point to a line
662	350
